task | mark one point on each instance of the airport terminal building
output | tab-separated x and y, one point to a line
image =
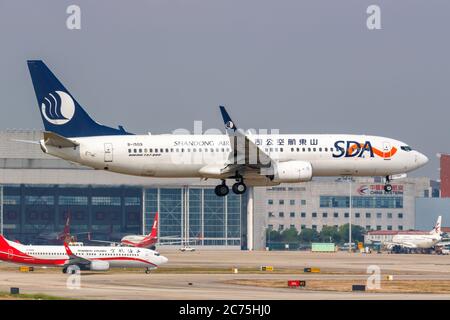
39	191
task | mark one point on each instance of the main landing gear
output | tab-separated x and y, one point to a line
387	185
222	189
147	271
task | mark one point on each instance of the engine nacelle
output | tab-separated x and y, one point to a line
98	265
292	171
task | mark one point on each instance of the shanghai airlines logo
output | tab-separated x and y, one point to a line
58	108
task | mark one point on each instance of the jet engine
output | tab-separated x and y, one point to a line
98	265
292	171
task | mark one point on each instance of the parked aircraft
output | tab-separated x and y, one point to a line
409	242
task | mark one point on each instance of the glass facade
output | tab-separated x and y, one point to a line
33	212
196	214
37	213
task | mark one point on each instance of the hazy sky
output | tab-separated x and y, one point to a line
299	66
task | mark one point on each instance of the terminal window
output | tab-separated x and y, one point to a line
400	215
303	214
292	214
361	202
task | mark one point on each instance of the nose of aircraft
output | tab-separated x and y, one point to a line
421	159
162	260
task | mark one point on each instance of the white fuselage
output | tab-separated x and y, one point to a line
117	257
421	241
186	155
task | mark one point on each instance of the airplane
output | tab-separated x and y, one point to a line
60	237
144	241
94	258
247	158
418	240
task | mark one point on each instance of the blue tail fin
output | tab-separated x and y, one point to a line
60	112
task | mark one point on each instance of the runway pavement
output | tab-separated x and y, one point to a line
181	279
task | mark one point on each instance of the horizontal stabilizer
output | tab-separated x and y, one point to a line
53	139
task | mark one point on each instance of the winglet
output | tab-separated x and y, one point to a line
229	124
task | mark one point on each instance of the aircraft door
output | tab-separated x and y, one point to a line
10	254
108	152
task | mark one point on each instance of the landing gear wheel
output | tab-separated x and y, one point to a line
388	187
239	188
221	190
64	270
147	271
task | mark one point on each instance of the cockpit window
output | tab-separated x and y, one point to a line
157	254
406	148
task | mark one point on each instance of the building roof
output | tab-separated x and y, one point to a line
394	232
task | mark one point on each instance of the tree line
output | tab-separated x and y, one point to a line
327	234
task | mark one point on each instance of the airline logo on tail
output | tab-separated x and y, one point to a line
154	233
58	108
437	227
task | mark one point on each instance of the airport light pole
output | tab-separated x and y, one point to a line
350	217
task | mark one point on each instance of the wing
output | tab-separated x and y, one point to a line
74	259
